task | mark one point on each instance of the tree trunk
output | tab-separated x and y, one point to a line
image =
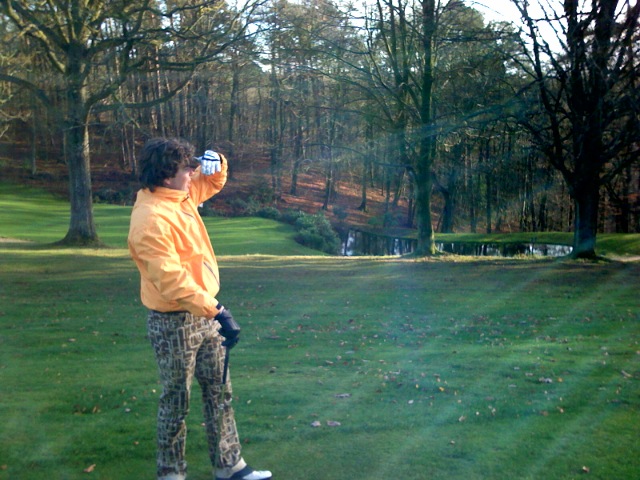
34	141
330	187
298	155
488	203
586	201
233	107
82	229
426	237
363	186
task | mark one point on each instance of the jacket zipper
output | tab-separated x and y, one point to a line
210	268
188	214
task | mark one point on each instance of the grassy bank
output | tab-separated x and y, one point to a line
36	216
414	369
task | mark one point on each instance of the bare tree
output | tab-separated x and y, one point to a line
398	77
589	104
94	47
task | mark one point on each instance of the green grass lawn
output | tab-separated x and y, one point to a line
431	369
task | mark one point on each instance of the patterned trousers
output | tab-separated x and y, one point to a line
186	346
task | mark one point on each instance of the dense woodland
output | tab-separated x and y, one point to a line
459	123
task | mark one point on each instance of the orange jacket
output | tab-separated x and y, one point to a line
171	248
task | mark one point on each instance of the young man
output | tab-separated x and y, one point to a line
188	327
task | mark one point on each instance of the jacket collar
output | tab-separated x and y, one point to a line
169	194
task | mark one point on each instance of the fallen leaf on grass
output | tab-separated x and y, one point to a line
90	468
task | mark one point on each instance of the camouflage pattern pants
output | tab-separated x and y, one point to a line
186	346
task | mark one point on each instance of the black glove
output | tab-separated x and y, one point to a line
230	330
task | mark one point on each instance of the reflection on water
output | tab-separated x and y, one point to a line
505	249
365	243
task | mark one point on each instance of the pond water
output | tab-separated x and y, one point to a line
365	243
505	249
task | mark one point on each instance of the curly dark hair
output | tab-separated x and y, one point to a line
161	158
